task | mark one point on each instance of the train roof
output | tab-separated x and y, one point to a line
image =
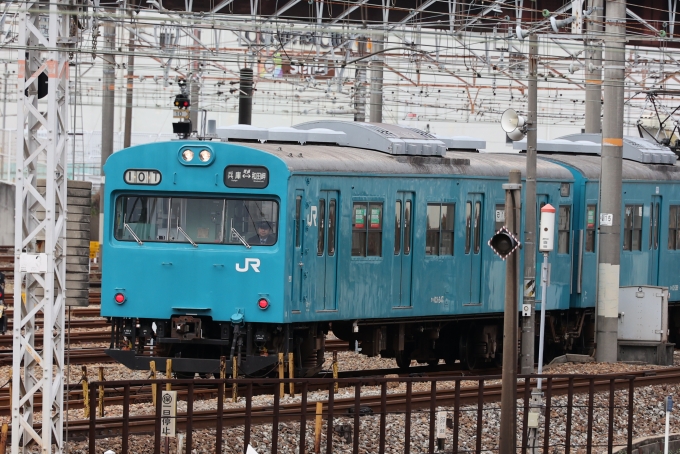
335	159
589	167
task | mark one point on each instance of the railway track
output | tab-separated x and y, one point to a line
397	402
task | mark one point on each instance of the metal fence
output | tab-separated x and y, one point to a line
411	414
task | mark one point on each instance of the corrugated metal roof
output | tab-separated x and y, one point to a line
589	166
313	158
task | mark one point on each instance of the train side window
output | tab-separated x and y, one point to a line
500	217
478	226
331	227
298	212
656	225
407	227
397	227
632	228
440	222
674	228
591	214
367	229
322	223
563	229
468	226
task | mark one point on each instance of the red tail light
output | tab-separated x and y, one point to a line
263	303
119	298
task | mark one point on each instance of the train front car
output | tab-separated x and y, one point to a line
193	256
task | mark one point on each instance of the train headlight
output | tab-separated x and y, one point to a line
119	298
188	155
204	155
262	303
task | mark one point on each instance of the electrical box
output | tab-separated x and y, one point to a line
547	235
643	313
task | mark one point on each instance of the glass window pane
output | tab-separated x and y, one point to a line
359	216
651	225
637	217
590	240
359	244
298	212
671	239
407	228
468	226
656	226
590	217
375	216
147	217
254	220
321	228
672	216
331	227
432	242
432	234
448	216
478	226
397	227
447	243
374	247
564	217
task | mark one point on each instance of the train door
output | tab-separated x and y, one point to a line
541	201
654	217
402	248
298	251
474	209
324	255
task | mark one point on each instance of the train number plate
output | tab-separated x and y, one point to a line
141	176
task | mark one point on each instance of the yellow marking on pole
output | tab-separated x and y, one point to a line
317	428
86	391
234	375
168	373
594	81
101	393
223	375
612	141
336	385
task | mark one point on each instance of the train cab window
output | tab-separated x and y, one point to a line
563	229
632	228
298	220
674	227
591	215
367	229
322	222
397	228
439	236
330	248
143	218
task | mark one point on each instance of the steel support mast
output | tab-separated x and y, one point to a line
529	323
593	69
609	233
40	226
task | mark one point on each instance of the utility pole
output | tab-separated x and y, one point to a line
360	82
529	323
127	138
108	106
593	69
377	81
508	430
609	233
194	84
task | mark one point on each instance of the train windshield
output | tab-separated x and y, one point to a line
196	220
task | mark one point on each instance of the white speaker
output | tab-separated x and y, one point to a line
521	34
513	124
557	24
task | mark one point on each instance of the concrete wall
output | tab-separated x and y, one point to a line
6	214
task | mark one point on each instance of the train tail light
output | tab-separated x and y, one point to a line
262	303
119	298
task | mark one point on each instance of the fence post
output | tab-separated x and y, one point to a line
234	375
101	392
3	438
93	424
168	374
223	374
291	373
152	367
317	428
282	375
86	392
336	386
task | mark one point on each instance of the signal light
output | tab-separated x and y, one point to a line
119	298
263	303
504	243
182	101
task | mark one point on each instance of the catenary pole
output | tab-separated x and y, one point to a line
508	430
108	107
610	184
376	99
127	138
529	290
593	68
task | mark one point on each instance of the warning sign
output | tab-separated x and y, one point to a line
168	413
94	249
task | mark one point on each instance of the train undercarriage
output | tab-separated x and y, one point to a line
200	345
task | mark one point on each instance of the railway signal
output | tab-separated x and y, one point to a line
504	243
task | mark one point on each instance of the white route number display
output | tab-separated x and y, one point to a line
606	219
168	413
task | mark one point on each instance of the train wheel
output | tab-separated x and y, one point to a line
403	358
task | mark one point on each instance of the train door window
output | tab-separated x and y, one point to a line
468	226
440	222
563	229
322	222
298	219
407	227
632	228
500	217
654	225
331	227
367	229
397	227
674	227
478	226
591	214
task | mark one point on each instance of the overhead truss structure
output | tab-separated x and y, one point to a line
40	226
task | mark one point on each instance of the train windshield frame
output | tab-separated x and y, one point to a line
196	220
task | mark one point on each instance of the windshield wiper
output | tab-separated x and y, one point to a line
132	232
181	230
240	238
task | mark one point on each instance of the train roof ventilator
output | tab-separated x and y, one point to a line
386	138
